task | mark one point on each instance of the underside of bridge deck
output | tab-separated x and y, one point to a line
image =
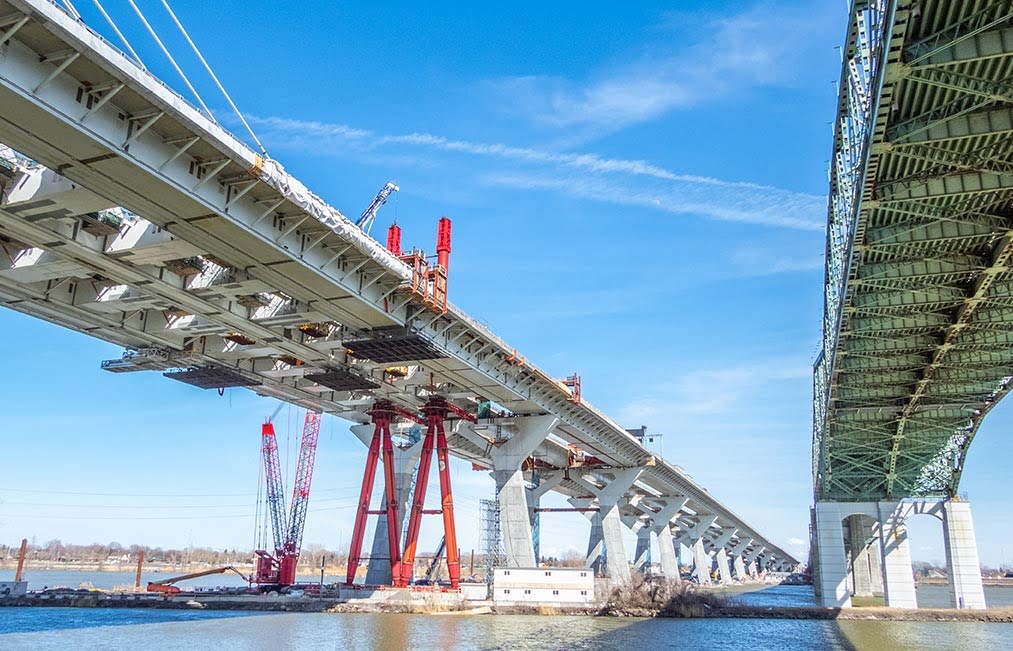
918	342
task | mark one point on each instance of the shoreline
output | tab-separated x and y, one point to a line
344	606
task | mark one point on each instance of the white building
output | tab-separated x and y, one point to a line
551	586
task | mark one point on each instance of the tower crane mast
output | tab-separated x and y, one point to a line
365	221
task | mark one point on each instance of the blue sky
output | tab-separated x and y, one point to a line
638	195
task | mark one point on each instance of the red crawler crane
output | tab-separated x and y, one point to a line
279	569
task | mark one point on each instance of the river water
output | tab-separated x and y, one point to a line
47	629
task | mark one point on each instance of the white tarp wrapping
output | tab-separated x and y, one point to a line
271	172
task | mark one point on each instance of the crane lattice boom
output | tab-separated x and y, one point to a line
275	490
369	214
303	479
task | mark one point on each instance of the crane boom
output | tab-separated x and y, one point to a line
365	221
303	479
275	490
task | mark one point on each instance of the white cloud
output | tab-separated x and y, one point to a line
797	542
710	391
744	203
584	175
720	57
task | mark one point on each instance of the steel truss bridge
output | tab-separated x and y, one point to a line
152	227
918	325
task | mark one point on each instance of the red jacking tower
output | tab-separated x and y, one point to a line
429	282
279	569
434	413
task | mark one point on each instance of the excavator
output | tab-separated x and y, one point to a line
166	586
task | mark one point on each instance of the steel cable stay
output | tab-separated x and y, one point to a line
168	55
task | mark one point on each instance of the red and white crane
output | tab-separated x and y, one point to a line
279	569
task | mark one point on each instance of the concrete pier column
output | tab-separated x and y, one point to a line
546	482
898	578
866	566
667	545
595	558
378	571
617	482
832	567
702	563
962	556
740	568
692	535
721	554
724	569
612	527
507	460
669	557
642	555
750	557
736	553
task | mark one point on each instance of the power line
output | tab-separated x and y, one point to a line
348	500
193	495
36	516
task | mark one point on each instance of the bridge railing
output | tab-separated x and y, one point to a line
863	64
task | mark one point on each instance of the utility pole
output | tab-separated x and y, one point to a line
140	562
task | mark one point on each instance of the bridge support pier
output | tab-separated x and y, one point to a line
962	556
739	567
668	547
596	553
898	577
609	521
867	579
724	570
514	514
378	572
702	563
721	554
669	556
880	551
750	560
546	482
642	555
738	563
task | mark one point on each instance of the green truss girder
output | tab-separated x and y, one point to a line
918	324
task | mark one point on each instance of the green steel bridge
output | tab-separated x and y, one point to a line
918	322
